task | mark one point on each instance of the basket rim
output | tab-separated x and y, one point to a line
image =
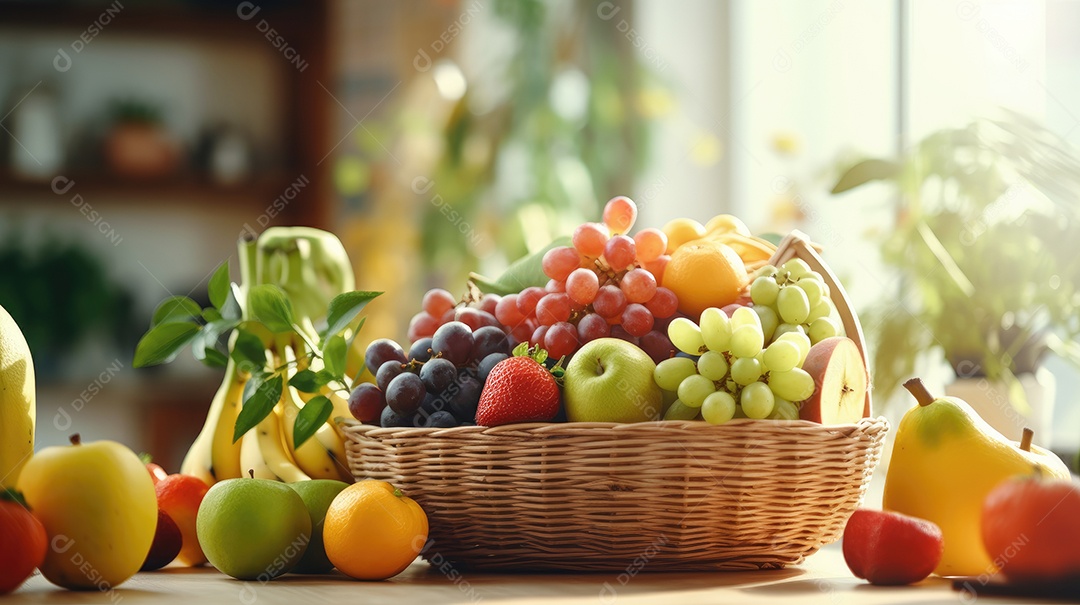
351	424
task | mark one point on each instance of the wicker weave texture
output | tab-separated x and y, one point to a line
670	495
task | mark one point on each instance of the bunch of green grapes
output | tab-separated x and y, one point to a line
794	298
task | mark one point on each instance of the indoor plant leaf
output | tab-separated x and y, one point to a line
522	273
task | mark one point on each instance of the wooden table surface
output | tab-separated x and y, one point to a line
822	578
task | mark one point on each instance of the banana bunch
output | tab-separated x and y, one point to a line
311	266
730	230
724	229
268	449
18	404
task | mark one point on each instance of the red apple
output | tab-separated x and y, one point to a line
1031	529
166	545
841	380
891	549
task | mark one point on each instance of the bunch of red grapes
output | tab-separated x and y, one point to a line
605	284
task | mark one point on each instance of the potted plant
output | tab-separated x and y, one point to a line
137	145
987	244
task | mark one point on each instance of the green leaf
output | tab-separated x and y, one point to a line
248	350
309	381
211	314
9	494
258	406
314	413
214	358
204	348
175	308
864	172
218	289
522	273
344	308
270	305
335	355
163	342
231	309
254	382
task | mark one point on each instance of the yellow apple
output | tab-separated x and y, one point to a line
98	506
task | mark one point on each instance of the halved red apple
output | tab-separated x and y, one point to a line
841	381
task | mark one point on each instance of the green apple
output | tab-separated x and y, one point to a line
317	495
98	506
253	529
611	380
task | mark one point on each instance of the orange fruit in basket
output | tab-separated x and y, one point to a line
372	531
682	230
705	274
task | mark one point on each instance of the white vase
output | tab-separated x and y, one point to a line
990	398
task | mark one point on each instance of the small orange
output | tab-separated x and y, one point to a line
705	274
682	230
372	531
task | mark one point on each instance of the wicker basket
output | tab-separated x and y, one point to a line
669	495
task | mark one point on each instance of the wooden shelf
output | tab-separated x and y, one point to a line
189	188
188	19
306	134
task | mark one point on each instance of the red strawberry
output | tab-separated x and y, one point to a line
519	389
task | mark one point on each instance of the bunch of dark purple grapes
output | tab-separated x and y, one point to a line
437	384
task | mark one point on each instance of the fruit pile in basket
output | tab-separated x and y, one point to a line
676	303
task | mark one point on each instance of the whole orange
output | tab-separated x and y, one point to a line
372	531
24	540
180	496
705	274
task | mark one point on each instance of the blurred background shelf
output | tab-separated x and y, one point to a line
196	191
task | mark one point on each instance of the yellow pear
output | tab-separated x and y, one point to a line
945	461
17	404
99	509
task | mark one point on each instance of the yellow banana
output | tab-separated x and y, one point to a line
18	403
726	223
275	454
224	453
312	457
197	462
328	438
750	248
251	458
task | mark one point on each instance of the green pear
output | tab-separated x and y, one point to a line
317	495
253	529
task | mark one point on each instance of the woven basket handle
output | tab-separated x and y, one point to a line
798	245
